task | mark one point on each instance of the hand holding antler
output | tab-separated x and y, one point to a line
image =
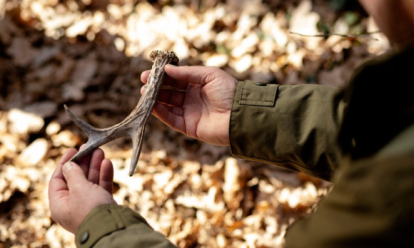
134	124
198	102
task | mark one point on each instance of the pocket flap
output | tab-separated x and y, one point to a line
258	94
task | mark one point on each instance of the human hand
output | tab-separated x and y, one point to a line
199	103
74	190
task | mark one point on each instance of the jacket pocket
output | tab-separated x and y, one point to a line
258	94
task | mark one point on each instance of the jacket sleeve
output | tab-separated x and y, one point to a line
118	226
295	127
371	205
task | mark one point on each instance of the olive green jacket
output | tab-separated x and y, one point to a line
365	134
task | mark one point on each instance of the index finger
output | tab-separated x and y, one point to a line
193	74
182	85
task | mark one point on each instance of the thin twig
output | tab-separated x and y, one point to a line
335	34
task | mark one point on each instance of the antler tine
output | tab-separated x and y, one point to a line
134	124
92	132
83	125
144	107
136	150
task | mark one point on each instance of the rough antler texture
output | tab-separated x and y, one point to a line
134	124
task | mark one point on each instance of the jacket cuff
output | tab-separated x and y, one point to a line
113	216
250	127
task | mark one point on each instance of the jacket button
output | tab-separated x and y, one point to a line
84	237
260	84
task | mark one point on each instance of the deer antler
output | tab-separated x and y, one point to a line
134	124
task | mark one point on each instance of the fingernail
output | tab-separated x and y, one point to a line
170	65
66	167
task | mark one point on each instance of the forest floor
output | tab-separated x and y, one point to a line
89	54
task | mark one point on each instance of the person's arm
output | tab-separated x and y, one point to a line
295	127
80	199
371	205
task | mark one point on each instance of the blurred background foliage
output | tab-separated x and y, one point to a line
89	54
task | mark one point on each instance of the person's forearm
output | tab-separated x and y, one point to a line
295	127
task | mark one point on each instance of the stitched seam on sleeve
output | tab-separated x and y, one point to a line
241	92
118	220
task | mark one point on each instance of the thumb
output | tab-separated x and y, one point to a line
73	174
